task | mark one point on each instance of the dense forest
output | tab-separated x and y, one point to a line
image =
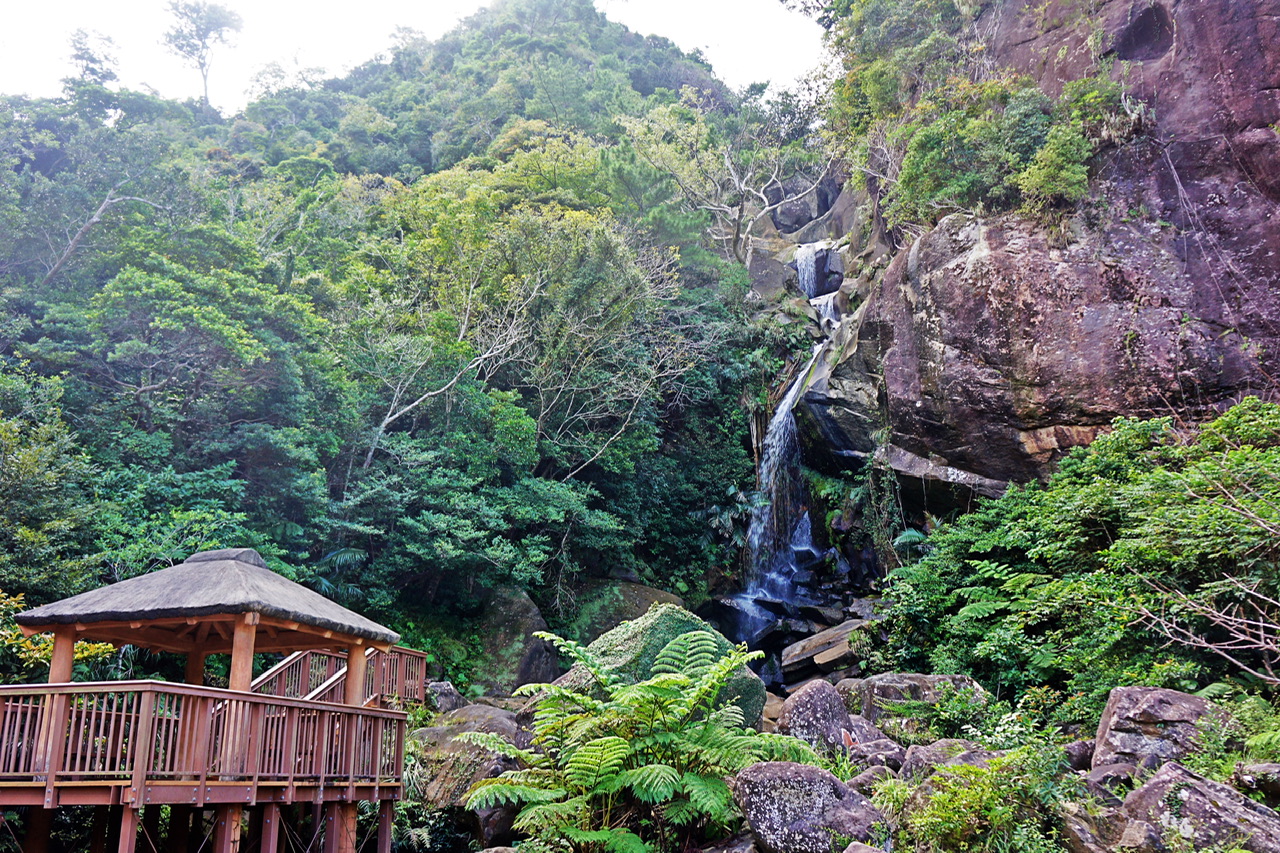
505	319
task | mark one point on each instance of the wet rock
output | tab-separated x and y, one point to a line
1176	802
772	711
443	697
605	604
796	808
832	645
1085	830
1147	721
873	753
1110	783
997	346
1264	778
510	654
452	767
743	843
865	782
631	648
920	761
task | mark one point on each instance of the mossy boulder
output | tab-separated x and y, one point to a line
631	648
605	604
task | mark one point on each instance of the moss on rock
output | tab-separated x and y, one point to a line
630	650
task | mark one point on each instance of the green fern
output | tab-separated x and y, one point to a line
623	767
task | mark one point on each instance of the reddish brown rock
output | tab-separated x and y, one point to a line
993	346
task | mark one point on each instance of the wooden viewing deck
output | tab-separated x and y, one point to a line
322	729
148	742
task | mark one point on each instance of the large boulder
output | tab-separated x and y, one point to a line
796	808
630	649
816	715
1176	803
1148	721
867	696
605	604
451	767
510	654
922	759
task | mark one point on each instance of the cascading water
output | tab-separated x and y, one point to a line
807	269
780	536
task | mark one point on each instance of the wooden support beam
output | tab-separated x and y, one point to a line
386	817
226	829
339	828
151	829
241	677
39	822
128	830
357	665
178	838
98	830
270	838
64	654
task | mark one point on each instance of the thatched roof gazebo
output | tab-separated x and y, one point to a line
209	604
147	745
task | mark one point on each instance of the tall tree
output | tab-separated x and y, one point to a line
198	27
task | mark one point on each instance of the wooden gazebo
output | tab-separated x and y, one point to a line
137	744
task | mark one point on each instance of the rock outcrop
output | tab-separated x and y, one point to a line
993	346
511	655
868	696
1148	722
795	808
1176	803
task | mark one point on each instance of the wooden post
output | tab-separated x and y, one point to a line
39	822
151	829
98	830
195	667
241	677
386	817
270	842
226	834
339	828
64	654
226	829
128	830
357	668
51	737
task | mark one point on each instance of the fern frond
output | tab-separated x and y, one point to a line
494	743
488	793
651	783
595	763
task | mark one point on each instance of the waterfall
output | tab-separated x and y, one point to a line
776	528
826	307
807	269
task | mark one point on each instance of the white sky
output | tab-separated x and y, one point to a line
746	40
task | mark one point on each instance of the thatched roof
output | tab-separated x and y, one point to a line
210	584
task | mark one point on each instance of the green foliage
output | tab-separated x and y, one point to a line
1042	586
1007	804
633	766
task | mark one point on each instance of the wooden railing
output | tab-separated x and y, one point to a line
153	736
321	676
300	674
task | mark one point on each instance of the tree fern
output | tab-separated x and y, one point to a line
632	767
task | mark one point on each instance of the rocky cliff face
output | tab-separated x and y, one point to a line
990	347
